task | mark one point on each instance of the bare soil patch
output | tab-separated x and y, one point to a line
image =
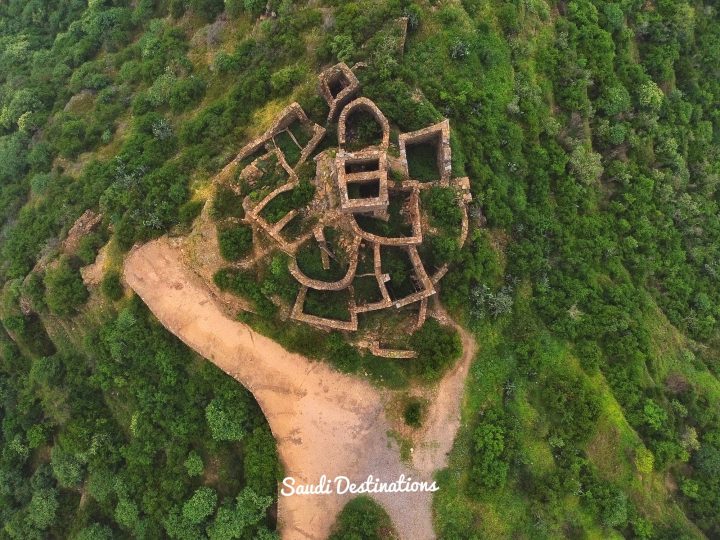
325	422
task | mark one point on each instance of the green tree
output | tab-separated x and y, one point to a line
235	241
43	508
96	531
362	519
241	519
194	464
491	453
438	347
644	460
585	164
111	286
226	423
650	96
66	467
260	462
200	506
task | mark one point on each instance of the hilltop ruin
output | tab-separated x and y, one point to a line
362	189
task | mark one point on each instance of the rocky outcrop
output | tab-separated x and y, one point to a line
83	226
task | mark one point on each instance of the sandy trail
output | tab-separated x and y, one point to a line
325	422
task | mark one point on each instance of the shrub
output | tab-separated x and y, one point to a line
111	286
260	462
413	412
362	518
225	423
200	506
443	208
284	79
489	469
226	203
64	288
88	247
244	284
189	211
644	460
235	241
33	289
194	464
572	404
438	347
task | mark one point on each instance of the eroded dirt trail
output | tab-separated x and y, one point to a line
325	423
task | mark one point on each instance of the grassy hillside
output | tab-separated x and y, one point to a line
590	133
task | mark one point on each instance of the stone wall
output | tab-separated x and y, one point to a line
440	135
363	104
338	74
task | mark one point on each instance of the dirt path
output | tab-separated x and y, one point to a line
325	423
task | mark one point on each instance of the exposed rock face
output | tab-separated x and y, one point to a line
84	225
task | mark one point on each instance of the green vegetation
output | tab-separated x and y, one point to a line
64	288
244	284
589	131
438	348
235	241
227	203
413	412
397	263
362	130
422	162
295	199
363	519
397	226
309	259
111	286
328	304
83	420
289	148
273	176
367	290
442	209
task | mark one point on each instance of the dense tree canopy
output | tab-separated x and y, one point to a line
589	131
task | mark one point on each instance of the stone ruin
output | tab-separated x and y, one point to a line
337	173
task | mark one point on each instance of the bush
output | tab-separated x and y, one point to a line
244	284
111	285
362	519
225	424
189	211
443	208
226	203
194	464
200	506
88	247
33	289
284	79
235	241
260	462
572	404
64	288
413	412
438	347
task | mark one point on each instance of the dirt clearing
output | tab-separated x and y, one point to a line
325	423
